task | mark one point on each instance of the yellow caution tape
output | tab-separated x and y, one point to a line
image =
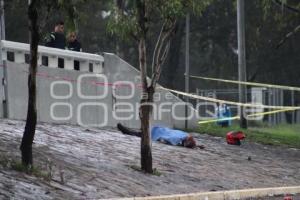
217	120
272	112
249	83
230	102
251	115
281	108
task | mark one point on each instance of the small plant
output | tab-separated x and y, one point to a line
137	168
156	172
18	166
31	170
4	161
12	164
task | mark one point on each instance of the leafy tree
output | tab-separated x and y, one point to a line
291	6
135	19
70	8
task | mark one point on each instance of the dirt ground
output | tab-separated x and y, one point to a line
94	163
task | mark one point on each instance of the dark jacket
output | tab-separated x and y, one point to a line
56	40
74	46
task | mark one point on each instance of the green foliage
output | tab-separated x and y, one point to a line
49	12
70	8
122	25
284	4
266	5
177	8
67	8
123	21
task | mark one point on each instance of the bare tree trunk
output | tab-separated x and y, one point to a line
145	111
147	96
28	136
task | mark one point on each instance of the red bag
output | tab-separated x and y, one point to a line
288	197
235	137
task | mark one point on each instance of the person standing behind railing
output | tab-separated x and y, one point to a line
72	43
57	38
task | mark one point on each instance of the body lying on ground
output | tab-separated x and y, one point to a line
164	135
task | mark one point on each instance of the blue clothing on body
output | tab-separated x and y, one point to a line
171	136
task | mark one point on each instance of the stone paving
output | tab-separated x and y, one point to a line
95	163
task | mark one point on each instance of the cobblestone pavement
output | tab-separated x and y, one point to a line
94	163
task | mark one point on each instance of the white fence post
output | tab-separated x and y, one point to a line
98	67
53	61
84	66
69	63
19	57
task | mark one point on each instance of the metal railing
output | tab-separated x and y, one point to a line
52	57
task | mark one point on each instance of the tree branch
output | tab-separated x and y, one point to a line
162	60
142	42
157	46
290	8
165	38
288	36
165	35
160	56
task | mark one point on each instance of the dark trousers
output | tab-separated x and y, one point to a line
128	131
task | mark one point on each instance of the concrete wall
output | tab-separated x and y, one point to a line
57	93
64	104
118	70
1	92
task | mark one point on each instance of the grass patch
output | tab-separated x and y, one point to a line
12	164
284	134
137	168
156	172
32	170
